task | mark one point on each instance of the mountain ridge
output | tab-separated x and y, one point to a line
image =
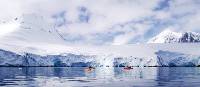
168	36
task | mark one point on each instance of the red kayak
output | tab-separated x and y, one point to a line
128	68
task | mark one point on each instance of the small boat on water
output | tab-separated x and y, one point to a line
89	69
128	68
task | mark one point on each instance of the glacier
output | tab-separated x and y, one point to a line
28	59
166	58
161	58
8	58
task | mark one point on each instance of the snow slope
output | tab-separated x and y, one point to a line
31	28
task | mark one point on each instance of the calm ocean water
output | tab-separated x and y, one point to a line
99	77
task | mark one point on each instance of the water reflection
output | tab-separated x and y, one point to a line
102	76
183	76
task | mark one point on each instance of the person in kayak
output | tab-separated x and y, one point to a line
128	67
89	69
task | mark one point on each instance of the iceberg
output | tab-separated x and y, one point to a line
167	58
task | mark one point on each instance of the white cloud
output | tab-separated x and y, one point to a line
182	14
8	28
9	9
123	39
131	31
125	20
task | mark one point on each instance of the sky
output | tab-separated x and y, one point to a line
113	22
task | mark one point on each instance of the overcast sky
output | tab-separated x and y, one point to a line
109	21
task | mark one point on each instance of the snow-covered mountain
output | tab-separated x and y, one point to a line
168	36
